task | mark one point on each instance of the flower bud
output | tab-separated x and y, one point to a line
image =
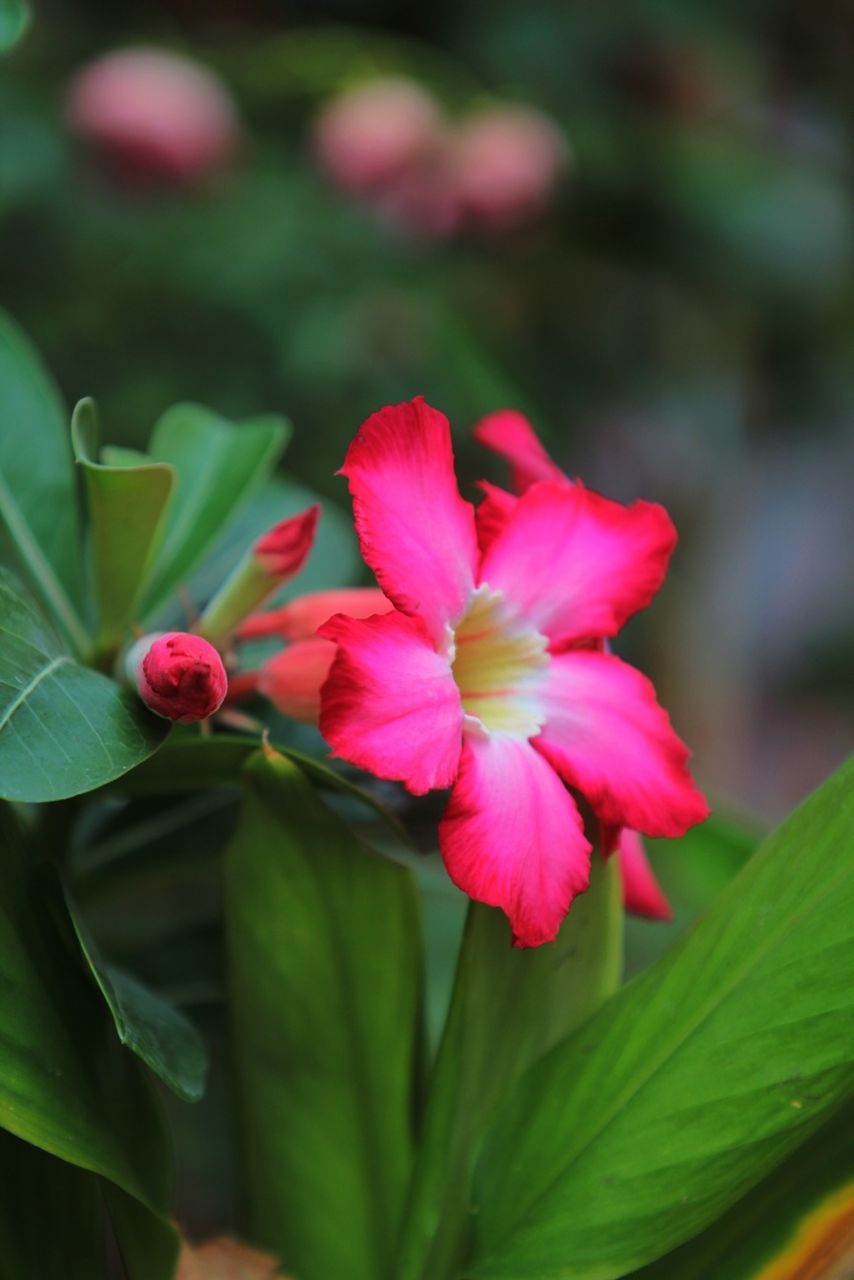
154	115
292	679
370	134
179	676
300	618
507	162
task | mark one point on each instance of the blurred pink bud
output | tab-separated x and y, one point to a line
423	200
300	618
181	677
292	679
154	114
507	162
283	550
369	135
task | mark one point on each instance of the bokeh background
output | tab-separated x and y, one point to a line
678	322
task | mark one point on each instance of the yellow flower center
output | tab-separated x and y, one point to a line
496	663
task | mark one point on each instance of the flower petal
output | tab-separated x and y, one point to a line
415	531
492	513
293	678
606	734
513	837
577	565
642	894
300	618
510	434
390	704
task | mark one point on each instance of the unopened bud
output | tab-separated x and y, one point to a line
292	679
179	676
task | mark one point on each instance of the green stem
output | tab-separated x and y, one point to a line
42	575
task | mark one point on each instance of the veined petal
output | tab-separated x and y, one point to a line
390	704
606	734
513	837
642	894
576	564
510	434
492	513
415	531
300	618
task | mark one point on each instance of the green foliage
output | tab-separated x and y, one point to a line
507	1009
693	1082
325	1004
64	729
48	1216
15	16
126	506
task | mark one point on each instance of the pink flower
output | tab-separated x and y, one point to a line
510	434
154	114
369	135
507	164
482	677
292	679
180	676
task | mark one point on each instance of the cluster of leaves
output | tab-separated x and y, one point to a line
566	1125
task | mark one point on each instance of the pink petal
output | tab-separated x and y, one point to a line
415	531
300	618
577	565
390	704
512	837
292	679
642	894
492	513
510	434
606	735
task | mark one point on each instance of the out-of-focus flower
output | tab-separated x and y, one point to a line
507	161
179	676
509	434
292	679
488	674
369	135
154	115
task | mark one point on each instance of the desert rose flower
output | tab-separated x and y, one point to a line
507	161
475	680
154	114
292	679
510	434
369	135
179	676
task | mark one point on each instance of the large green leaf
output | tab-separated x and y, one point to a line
64	729
219	465
324	945
126	509
149	1243
694	1081
48	1216
38	505
66	1084
149	1025
508	1007
15	17
803	1211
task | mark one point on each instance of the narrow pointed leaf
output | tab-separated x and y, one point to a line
325	996
64	729
219	465
693	1082
127	505
508	1008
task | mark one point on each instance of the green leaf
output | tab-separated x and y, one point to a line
219	465
324	947
509	1006
66	1084
801	1213
64	729
15	17
39	527
148	1243
126	510
694	1081
48	1216
149	1025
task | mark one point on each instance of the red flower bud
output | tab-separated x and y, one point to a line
292	679
282	551
181	677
